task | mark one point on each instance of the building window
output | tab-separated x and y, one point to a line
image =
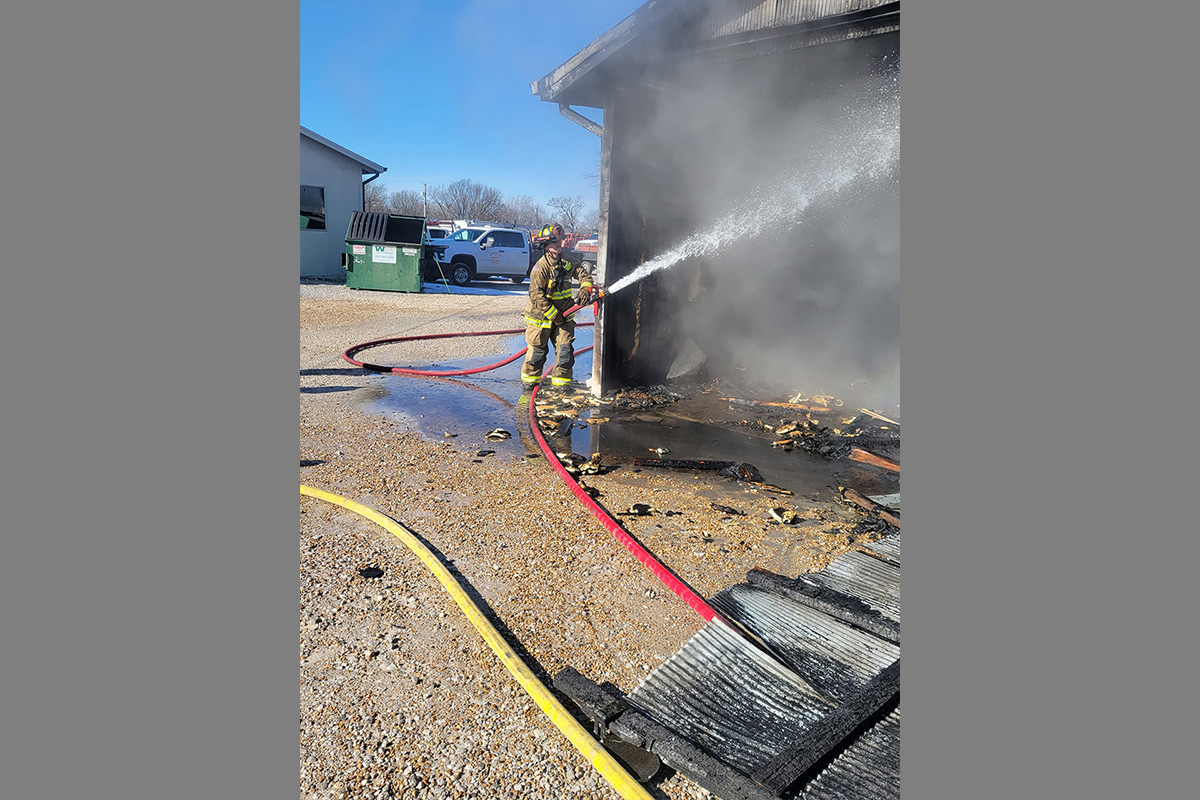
312	208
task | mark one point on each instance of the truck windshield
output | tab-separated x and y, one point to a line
467	234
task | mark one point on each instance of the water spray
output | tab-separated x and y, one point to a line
865	148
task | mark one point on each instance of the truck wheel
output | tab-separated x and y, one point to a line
518	280
460	273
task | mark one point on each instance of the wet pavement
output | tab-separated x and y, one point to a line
698	426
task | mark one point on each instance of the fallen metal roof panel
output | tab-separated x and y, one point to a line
834	658
730	698
869	769
887	548
874	582
818	719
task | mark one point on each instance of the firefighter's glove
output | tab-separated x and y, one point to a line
585	296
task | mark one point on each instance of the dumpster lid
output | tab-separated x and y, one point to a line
377	226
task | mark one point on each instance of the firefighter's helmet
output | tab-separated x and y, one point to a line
550	233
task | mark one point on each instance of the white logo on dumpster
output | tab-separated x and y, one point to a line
383	254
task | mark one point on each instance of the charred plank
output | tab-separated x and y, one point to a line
683	463
808	590
794	406
867	457
870	505
817	746
610	711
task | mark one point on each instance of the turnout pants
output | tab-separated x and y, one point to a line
538	340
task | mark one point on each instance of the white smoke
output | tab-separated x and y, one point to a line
864	145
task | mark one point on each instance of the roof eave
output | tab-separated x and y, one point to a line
367	164
581	79
552	86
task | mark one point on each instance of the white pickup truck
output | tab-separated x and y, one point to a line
480	252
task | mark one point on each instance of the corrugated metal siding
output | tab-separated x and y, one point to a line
835	659
869	769
874	582
748	710
756	15
887	548
729	698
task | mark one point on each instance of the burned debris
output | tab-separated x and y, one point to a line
832	439
785	516
882	512
683	463
577	465
741	472
638	398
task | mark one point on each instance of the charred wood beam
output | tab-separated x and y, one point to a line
608	708
867	457
809	591
817	746
871	413
870	505
746	474
770	487
682	463
793	406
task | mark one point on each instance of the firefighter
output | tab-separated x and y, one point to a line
549	297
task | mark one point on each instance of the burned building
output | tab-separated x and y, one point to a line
749	170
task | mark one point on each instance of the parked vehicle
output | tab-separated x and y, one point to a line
472	253
466	234
439	229
588	248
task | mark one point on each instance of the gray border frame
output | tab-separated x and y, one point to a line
150	479
149	574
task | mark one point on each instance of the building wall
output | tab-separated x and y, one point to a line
320	251
804	305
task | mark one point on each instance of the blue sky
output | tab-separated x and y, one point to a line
438	90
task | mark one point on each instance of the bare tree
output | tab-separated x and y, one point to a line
522	210
567	209
590	221
465	199
593	175
406	201
374	197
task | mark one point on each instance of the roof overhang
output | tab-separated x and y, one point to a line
665	34
367	164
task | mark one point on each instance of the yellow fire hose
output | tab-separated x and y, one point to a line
625	784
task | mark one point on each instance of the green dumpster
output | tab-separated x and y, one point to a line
384	251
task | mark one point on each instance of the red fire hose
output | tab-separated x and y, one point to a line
632	545
673	582
349	354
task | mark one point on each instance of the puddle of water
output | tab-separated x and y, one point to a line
470	406
804	473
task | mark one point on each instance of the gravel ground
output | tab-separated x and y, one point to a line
399	695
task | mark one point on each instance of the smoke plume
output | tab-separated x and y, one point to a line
785	184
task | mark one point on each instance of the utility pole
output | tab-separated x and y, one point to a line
425	199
